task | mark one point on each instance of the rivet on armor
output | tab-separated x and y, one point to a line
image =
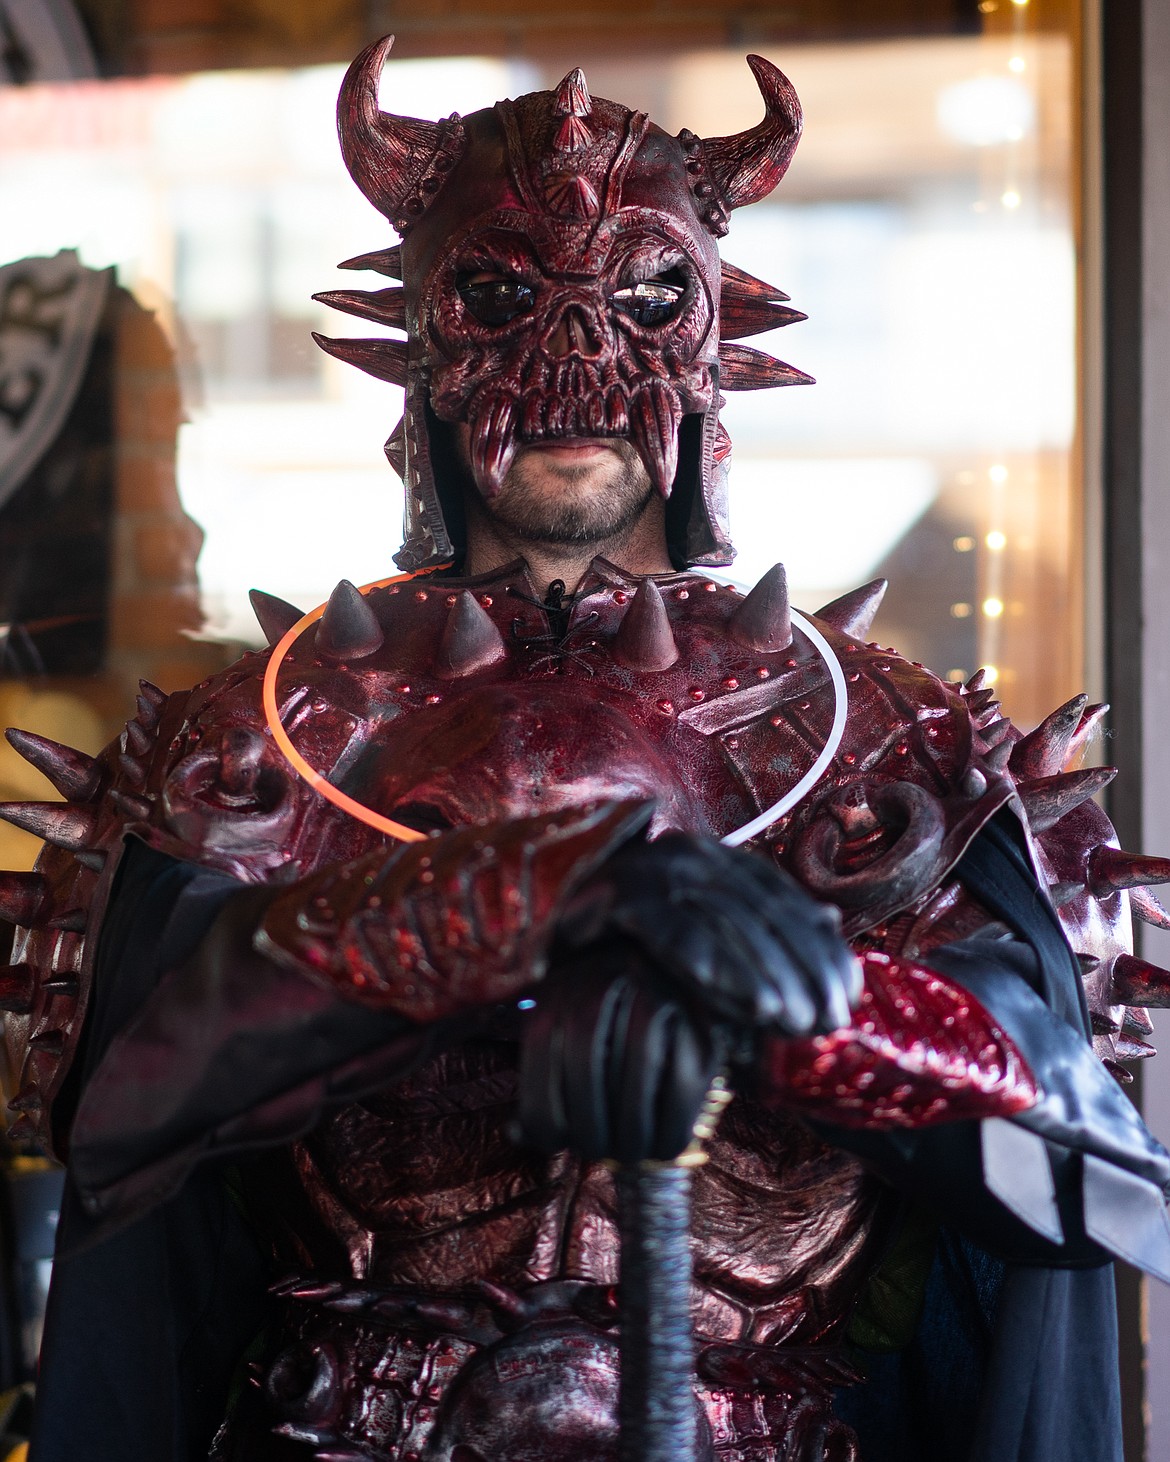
763	621
471	641
644	640
349	628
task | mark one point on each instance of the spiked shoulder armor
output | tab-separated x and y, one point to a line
445	703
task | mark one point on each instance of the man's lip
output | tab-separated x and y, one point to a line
574	446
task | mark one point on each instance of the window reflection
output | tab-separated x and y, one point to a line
924	227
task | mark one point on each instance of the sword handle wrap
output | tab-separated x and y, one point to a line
659	1416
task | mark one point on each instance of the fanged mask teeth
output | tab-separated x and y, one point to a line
493	444
654	423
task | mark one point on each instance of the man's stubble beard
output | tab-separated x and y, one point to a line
546	502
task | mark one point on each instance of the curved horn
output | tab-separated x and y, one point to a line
746	167
397	162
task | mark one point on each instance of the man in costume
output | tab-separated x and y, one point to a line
346	978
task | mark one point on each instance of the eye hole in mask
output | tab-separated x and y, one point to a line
495	301
653	301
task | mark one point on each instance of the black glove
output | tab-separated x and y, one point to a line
669	964
739	936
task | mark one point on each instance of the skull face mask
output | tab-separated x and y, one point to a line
561	281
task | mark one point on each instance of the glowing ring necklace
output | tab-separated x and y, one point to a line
412	835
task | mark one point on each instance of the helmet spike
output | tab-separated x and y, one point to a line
744	168
655	415
397	162
384	359
743	369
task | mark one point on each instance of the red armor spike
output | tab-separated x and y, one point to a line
1131	1050
147	711
50	1042
384	359
138	739
1090	720
1137	1022
471	642
1110	869
349	628
22	898
73	921
645	640
747	166
738	282
382	306
27	1099
68	985
23	1130
1064	891
157	698
1045	750
493	444
997	758
764	620
1088	963
741	315
1137	982
274	616
853	613
18	986
1048	799
996	731
74	774
977	681
131	805
380	261
1144	906
395	448
654	420
743	369
132	769
61	824
92	858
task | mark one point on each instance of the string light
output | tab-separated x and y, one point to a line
996	540
1017	64
993	607
963	544
1010	199
990	674
961	611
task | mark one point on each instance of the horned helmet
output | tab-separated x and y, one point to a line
561	279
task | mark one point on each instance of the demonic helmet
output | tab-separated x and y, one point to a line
561	279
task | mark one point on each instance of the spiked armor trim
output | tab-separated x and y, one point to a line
457	701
